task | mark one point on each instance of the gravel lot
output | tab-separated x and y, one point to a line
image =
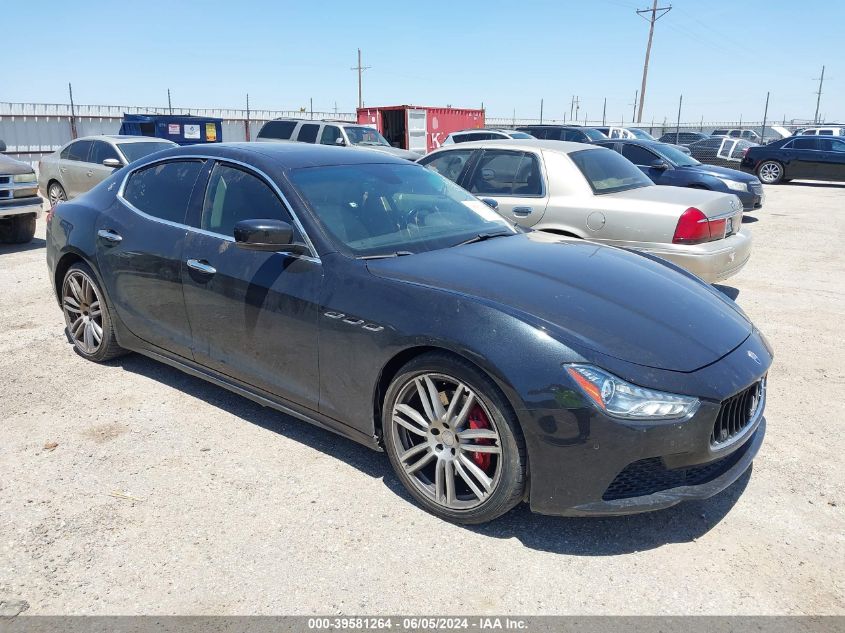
166	495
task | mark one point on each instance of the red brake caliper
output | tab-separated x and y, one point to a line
478	420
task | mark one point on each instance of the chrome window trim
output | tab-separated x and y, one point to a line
314	256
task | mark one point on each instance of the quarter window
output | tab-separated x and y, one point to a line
234	195
163	190
308	133
330	135
281	130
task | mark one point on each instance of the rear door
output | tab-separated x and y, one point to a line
140	243
514	180
308	133
806	158
253	314
416	125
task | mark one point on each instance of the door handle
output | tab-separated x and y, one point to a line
62	169
201	266
109	236
90	173
522	210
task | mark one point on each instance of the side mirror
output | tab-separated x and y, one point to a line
662	165
2	146
339	141
114	163
266	235
490	203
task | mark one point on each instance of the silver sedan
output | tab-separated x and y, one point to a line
594	193
77	166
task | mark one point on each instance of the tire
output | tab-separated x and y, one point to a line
56	193
438	447
770	172
18	230
87	318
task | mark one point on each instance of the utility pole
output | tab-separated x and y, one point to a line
246	122
633	116
654	18
678	126
311	106
604	113
73	133
819	97
571	107
541	112
765	116
169	105
360	70
577	107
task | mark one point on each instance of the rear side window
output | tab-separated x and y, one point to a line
234	195
79	151
804	143
277	129
449	164
308	133
101	151
330	135
507	174
826	132
163	190
460	138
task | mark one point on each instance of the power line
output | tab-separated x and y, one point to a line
360	70
655	10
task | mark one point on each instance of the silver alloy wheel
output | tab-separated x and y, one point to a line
56	194
83	311
770	172
452	462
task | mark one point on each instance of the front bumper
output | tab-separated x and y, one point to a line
21	206
752	199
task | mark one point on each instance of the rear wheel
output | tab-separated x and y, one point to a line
56	193
87	317
770	172
18	229
453	441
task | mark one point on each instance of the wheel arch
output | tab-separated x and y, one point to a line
558	230
67	260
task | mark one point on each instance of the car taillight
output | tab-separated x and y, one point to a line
717	229
693	228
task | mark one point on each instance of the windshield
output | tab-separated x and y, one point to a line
676	156
641	134
592	134
608	172
134	151
380	209
365	136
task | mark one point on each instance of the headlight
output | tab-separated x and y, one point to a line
621	399
30	177
735	185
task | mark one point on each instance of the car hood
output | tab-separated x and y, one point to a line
393	151
10	166
721	172
605	299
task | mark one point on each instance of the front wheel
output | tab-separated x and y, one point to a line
87	317
453	440
18	229
770	172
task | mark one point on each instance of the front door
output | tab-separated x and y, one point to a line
514	181
97	172
832	159
643	158
806	158
141	239
253	314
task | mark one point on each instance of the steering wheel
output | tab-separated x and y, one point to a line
417	215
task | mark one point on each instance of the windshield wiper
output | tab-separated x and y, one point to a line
386	255
483	236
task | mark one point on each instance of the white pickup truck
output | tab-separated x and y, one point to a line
20	205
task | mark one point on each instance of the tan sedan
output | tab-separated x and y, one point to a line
594	193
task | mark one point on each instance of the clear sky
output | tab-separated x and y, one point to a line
723	55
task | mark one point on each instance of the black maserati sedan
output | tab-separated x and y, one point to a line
372	297
797	157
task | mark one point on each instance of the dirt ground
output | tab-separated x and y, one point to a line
131	488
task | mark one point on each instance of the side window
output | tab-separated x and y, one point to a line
496	173
538	132
837	146
528	181
638	155
79	151
234	195
826	132
460	138
163	190
66	152
449	164
101	151
308	133
805	142
330	135
575	136
277	129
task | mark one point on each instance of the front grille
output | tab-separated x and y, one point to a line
648	476
5	180
736	414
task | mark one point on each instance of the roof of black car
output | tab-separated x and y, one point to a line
290	154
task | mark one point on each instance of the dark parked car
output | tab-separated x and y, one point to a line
720	150
574	133
375	298
808	157
682	138
665	165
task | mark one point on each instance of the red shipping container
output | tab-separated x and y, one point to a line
419	128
